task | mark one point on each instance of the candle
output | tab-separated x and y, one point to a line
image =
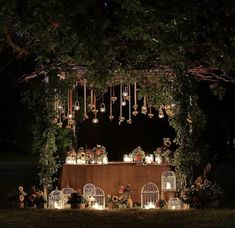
168	185
149	205
173	207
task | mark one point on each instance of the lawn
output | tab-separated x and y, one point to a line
116	218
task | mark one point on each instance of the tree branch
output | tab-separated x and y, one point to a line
21	51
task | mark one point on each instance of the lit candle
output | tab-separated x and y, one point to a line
148	159
126	158
97	206
168	185
173	207
150	205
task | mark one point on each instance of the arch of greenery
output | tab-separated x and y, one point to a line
165	45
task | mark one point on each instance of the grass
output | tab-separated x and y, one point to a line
116	218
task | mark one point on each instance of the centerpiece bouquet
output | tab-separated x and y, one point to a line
81	156
138	154
99	153
76	200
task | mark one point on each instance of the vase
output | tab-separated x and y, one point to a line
158	159
129	202
21	205
110	205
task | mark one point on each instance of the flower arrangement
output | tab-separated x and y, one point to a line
71	153
99	152
122	199
76	200
89	156
203	193
36	197
161	203
17	195
138	154
164	154
71	157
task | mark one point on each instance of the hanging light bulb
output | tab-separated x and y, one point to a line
150	114
160	113
112	93
85	116
60	107
111	105
123	102
125	92
102	106
70	116
144	108
129	121
95	120
76	106
135	106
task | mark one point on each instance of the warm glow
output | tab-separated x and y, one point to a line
127	158
168	185
97	206
57	206
150	205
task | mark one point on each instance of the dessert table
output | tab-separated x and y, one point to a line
112	175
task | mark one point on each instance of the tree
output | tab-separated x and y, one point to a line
164	44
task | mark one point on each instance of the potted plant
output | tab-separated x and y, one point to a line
77	201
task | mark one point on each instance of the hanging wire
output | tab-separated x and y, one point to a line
129	121
85	98
110	105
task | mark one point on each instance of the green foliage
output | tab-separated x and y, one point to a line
48	165
138	40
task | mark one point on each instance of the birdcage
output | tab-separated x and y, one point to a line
99	198
67	193
88	191
149	195
56	199
174	203
168	181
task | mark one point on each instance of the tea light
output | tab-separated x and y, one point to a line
168	185
127	158
97	206
150	205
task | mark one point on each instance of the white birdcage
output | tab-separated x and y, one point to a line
174	203
168	181
99	198
67	193
149	195
88	190
56	199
